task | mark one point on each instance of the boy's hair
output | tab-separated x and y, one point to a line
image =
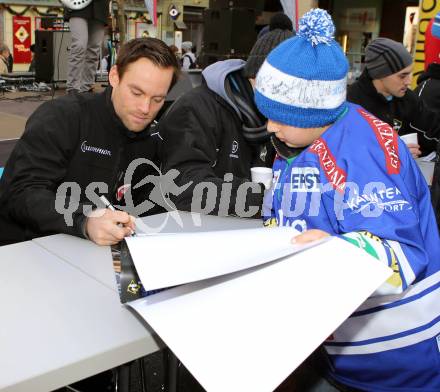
152	49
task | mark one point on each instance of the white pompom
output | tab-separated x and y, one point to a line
317	27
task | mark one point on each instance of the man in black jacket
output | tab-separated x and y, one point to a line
78	147
428	90
383	89
214	134
87	27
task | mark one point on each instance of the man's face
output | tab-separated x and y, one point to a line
395	84
139	95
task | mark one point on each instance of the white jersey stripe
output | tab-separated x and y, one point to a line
409	292
405	266
390	321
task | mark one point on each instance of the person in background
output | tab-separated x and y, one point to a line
87	28
188	59
277	21
428	90
341	171
85	139
32	64
262	47
383	89
214	134
428	82
175	50
4	56
10	62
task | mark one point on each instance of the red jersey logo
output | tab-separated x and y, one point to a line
335	175
387	138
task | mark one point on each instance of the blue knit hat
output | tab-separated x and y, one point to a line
303	81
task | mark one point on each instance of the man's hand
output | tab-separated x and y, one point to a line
309	236
414	149
106	227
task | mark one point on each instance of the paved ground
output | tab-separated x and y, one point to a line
16	107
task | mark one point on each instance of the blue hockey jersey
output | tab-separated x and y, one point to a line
359	180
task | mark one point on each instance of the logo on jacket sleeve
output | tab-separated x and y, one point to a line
234	149
335	175
387	139
305	179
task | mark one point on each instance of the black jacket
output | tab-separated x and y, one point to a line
428	89
406	115
96	10
73	139
428	86
203	140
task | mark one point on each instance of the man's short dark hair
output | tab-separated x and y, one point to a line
152	49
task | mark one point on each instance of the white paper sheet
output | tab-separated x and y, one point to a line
429	158
427	169
162	261
248	331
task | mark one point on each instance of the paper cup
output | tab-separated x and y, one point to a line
262	175
411	138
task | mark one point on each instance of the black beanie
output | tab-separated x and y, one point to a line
262	48
280	21
384	57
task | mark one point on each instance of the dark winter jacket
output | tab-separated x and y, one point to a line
428	89
203	140
96	10
407	114
428	86
69	143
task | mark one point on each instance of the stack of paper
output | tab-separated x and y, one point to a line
249	306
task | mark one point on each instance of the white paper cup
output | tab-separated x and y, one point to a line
262	175
411	138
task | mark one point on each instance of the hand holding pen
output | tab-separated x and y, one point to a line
108	227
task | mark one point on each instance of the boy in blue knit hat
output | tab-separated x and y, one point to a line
341	171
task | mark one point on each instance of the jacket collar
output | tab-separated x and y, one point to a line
283	150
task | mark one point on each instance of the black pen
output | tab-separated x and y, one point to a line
111	208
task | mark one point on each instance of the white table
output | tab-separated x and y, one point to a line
59	324
62	320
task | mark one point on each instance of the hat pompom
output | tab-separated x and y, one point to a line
317	27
